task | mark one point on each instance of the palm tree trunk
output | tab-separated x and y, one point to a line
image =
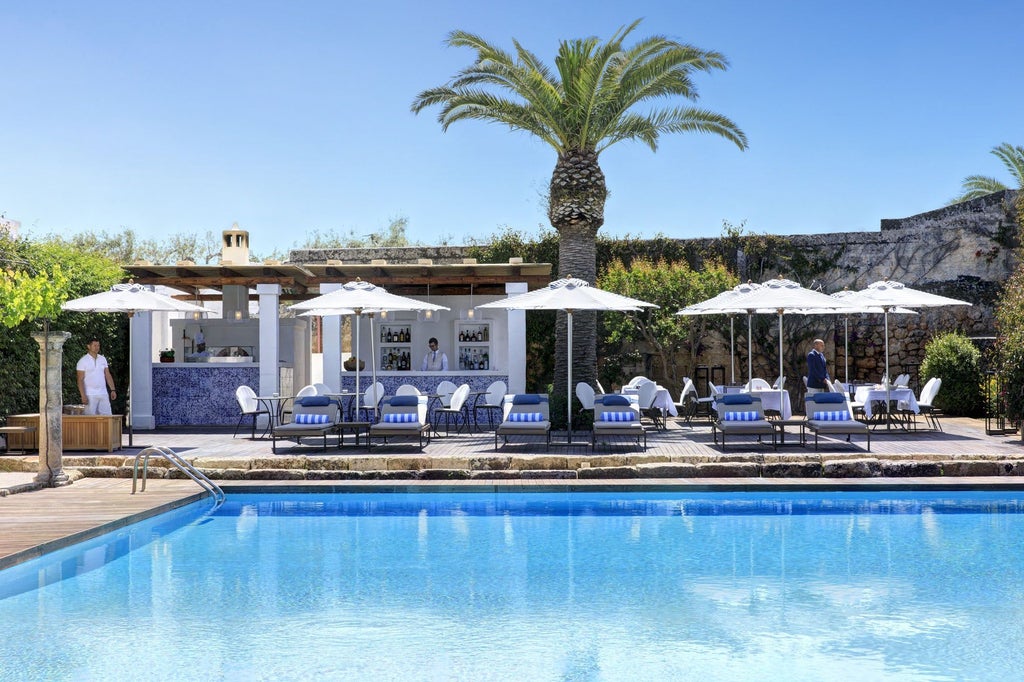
576	210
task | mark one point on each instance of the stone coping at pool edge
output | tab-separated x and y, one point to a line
564	467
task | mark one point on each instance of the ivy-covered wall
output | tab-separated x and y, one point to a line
965	251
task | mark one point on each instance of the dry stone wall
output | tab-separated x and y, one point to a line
964	251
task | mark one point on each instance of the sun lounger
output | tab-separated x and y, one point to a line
402	416
830	414
616	416
740	414
312	417
526	414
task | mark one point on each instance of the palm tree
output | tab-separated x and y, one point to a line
975	186
582	107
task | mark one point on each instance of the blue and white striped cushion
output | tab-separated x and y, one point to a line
627	416
744	416
309	418
831	416
400	418
526	416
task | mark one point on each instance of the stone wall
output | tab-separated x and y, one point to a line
964	251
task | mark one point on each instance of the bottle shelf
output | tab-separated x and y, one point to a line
473	346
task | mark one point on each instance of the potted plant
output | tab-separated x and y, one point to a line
167	355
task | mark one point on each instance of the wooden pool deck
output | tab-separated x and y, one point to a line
42	520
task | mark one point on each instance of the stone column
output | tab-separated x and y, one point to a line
51	402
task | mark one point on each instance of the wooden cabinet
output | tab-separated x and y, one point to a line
80	432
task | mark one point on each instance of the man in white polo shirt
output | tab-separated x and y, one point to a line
95	384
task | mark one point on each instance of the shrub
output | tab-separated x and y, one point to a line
954	359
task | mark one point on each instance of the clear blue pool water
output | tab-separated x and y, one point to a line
541	586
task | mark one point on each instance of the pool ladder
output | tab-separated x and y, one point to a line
182	465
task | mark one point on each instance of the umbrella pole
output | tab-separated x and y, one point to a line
780	352
846	349
128	398
359	313
750	341
568	388
373	367
732	350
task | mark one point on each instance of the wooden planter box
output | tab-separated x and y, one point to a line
80	432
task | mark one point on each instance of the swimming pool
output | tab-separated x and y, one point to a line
541	586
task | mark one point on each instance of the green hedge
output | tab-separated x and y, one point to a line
957	361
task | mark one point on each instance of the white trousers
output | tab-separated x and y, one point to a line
98	404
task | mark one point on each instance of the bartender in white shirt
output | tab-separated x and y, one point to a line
435	360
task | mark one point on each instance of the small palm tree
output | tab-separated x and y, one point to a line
975	186
587	103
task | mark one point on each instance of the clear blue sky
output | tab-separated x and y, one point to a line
185	116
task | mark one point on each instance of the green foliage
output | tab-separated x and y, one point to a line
957	361
73	272
589	101
1009	348
670	286
974	186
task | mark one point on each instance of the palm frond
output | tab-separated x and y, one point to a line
975	186
1013	158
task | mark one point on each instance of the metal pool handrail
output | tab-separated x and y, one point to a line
182	465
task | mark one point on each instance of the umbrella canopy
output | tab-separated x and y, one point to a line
713	306
358	295
890	295
780	296
569	294
851	297
359	298
130	298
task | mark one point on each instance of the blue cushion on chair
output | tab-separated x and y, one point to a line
827	397
313	401
400	417
737	399
526	399
627	416
745	416
832	416
613	399
405	400
308	418
526	416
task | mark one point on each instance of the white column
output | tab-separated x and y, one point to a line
331	337
141	363
516	341
270	324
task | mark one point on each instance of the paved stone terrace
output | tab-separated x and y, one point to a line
681	451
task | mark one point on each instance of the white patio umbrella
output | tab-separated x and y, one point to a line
782	296
889	295
712	306
850	297
130	298
569	294
358	298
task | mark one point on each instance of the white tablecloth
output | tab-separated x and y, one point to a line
869	395
662	399
775	400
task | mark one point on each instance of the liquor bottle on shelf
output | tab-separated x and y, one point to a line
485	334
485	361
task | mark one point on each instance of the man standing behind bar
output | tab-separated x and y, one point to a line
435	360
94	380
817	371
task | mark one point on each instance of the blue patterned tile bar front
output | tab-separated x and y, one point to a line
199	394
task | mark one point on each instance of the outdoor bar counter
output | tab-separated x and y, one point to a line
203	394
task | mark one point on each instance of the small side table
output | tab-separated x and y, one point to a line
780	426
356	428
